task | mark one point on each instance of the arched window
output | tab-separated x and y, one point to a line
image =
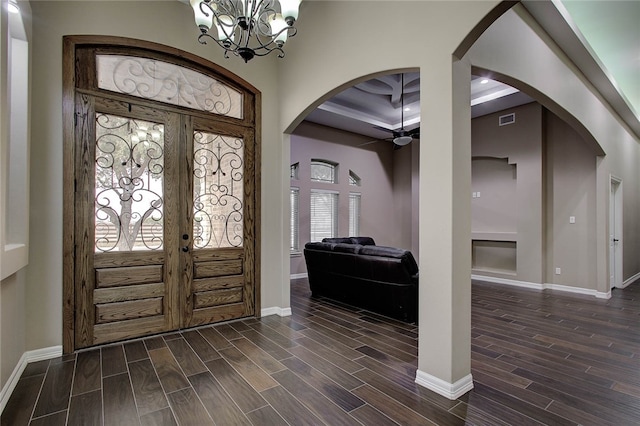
324	171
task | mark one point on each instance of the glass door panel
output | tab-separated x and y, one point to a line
218	191
129	182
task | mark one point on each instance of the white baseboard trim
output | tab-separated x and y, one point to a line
537	286
578	290
630	280
441	387
298	276
275	310
26	358
516	283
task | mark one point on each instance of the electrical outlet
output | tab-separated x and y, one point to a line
558	271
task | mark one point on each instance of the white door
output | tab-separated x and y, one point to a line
615	234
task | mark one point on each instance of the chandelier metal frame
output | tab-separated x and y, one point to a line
246	28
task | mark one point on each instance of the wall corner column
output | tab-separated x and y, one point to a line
444	340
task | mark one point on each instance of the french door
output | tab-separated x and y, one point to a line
164	221
163	215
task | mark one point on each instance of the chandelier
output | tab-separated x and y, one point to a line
246	28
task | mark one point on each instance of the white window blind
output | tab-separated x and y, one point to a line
354	214
295	223
324	215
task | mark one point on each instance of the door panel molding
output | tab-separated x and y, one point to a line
161	293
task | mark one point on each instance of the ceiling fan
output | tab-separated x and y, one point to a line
401	137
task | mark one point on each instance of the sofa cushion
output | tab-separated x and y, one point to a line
338	240
319	246
347	248
365	241
396	253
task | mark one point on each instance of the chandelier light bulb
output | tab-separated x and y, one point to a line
278	29
289	10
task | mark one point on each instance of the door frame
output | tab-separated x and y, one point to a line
615	233
253	118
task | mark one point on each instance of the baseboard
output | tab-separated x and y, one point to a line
275	310
441	387
536	286
298	276
630	280
507	281
26	358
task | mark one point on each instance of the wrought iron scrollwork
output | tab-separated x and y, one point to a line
129	174
165	82
218	175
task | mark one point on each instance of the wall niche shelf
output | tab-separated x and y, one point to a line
494	252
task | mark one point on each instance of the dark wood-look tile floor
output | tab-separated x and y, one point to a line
537	358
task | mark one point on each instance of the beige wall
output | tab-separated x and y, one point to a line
554	178
405	181
521	144
14	193
494	209
571	191
13	322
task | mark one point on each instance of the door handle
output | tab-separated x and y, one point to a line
185	249
615	240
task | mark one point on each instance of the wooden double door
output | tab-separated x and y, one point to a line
164	220
160	191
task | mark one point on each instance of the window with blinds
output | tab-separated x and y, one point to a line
354	214
295	223
324	215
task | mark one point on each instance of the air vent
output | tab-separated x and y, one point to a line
507	119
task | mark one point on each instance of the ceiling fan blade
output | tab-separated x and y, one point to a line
415	133
384	129
370	142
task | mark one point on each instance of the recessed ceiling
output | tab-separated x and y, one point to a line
376	103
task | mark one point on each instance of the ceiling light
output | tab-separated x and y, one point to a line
407	109
484	81
247	28
12	7
402	140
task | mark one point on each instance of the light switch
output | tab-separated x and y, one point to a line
478	194
572	219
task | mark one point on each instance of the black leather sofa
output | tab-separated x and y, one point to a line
357	272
